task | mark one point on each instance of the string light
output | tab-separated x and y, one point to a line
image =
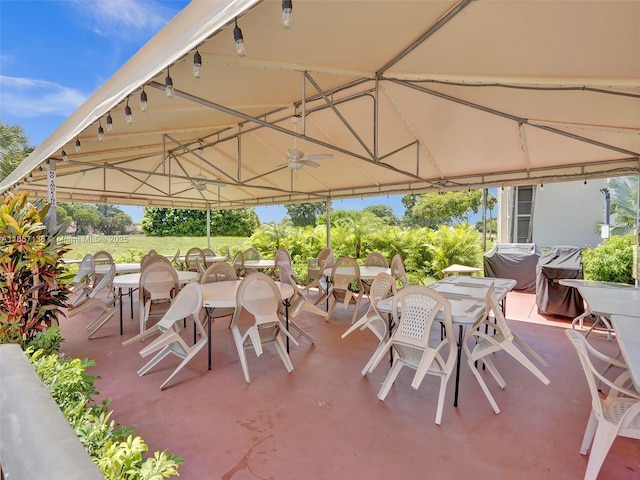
64	156
168	85
197	63
100	131
144	106
584	185
109	123
239	39
541	186
127	113
287	14
78	145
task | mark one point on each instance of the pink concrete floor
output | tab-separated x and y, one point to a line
324	420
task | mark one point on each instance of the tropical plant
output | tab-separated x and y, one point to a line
451	245
610	261
624	204
167	222
115	449
305	214
14	147
30	269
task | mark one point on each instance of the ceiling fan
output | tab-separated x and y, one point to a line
200	181
296	159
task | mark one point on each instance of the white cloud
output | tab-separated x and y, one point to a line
26	98
123	18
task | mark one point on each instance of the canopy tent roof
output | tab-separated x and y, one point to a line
407	97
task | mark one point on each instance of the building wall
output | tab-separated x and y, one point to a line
564	214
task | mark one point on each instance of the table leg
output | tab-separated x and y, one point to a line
455	397
208	310
131	301
120	301
286	318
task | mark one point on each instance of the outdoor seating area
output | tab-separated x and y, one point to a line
321	410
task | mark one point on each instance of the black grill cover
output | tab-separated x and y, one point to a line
551	297
513	260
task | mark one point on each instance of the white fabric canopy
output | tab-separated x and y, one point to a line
407	96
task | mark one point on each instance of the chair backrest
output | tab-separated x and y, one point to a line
344	273
323	255
238	263
251	253
159	279
105	283
414	309
209	252
190	259
398	271
492	305
282	260
383	285
86	270
103	257
149	259
176	257
152	252
218	272
187	302
375	259
260	296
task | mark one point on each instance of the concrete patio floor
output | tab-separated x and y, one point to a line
324	421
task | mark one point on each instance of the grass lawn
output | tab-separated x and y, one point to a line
131	248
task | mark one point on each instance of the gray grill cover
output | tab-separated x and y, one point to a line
551	297
514	260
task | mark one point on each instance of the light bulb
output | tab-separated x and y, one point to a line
78	146
541	186
197	63
64	156
127	114
287	14
237	36
168	85
144	106
100	133
584	185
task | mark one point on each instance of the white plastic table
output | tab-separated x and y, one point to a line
603	299
223	295
131	281
628	335
103	268
367	272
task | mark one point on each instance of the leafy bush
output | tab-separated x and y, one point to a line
610	261
30	267
451	245
116	451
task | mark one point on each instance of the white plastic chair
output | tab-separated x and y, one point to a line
616	414
315	267
157	287
383	286
492	337
101	296
190	259
414	309
85	275
187	303
259	295
238	264
398	271
101	257
282	260
298	304
374	259
346	286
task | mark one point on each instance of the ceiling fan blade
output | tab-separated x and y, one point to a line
309	163
295	154
318	156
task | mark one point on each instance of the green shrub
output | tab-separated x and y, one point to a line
116	451
610	261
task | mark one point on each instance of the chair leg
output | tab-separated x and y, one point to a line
589	432
280	347
391	377
482	384
604	437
